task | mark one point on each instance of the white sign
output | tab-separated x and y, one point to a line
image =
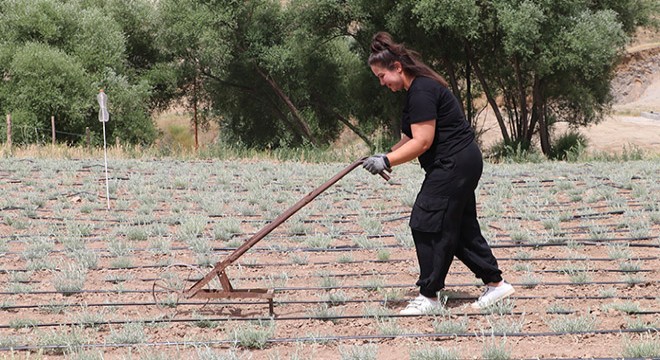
104	116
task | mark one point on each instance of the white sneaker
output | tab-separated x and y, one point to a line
420	305
493	294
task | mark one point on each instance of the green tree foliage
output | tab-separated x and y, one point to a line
293	73
547	60
54	58
33	87
195	44
271	74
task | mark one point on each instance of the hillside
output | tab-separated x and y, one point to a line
636	90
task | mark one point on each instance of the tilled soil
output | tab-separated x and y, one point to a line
579	243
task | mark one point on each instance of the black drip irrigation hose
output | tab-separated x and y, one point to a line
290	302
576	216
344	216
317	288
261	265
553	206
288	318
252	265
325	339
596	206
266	319
63	221
577	259
592	242
394	286
332	275
401	218
560	242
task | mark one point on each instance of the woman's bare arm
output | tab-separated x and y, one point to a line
404	139
410	148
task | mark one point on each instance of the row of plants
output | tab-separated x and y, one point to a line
558	228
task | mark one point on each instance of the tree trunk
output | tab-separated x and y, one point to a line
524	113
300	122
538	113
468	92
489	95
354	129
511	107
9	131
346	122
451	71
195	121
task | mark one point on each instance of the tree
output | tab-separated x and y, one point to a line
536	62
548	60
34	90
272	74
293	73
54	58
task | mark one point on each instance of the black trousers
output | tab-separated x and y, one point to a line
444	222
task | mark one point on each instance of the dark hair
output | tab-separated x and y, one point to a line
384	52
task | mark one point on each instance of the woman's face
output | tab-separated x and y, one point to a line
393	79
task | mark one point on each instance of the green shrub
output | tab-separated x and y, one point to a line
568	146
570	324
252	335
70	279
648	346
130	333
447	325
434	353
517	151
359	352
63	340
494	350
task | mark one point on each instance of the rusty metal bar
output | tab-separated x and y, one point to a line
219	268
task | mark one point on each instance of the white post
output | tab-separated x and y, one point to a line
52	127
105	156
9	131
104	116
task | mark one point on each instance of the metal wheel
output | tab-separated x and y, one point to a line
167	290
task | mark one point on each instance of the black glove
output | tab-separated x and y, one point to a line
377	164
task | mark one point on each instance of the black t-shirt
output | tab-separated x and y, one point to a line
426	100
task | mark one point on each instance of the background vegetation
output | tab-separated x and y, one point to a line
288	74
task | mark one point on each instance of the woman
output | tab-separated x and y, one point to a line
444	217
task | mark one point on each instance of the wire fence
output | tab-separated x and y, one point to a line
12	133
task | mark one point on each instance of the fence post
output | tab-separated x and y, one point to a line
88	138
52	126
9	130
117	141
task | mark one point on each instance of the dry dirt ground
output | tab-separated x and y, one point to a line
579	242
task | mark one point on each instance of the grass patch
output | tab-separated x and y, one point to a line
129	333
449	325
646	346
573	324
359	352
253	335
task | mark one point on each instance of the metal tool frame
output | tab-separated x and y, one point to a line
198	291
